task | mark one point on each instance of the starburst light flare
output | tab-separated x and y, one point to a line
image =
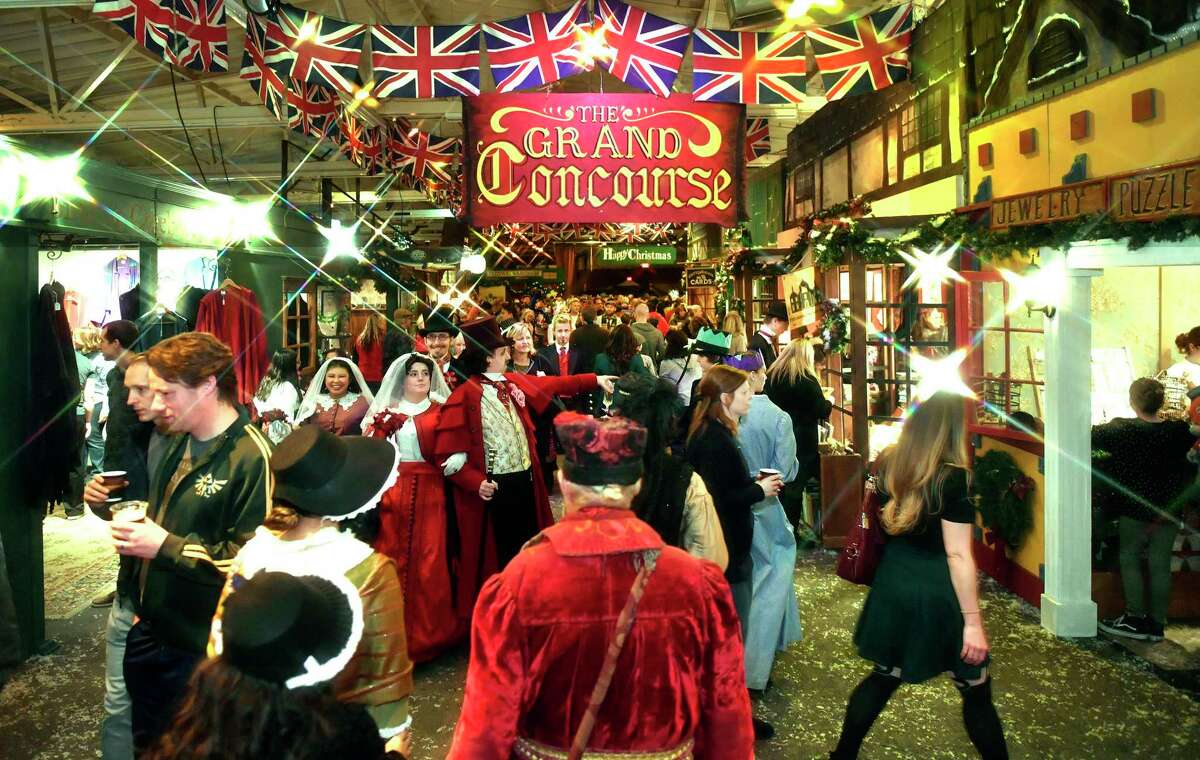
54	178
592	45
940	376
799	9
340	241
1037	288
932	269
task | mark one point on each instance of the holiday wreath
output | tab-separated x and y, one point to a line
1002	494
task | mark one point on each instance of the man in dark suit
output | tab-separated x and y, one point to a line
589	338
766	340
558	358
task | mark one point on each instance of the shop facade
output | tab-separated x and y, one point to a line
1105	166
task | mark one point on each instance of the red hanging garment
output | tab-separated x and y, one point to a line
233	315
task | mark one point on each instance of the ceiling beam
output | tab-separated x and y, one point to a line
105	29
48	59
17	98
84	92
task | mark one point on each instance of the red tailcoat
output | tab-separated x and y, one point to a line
538	643
461	429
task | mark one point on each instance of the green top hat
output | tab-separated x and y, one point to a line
711	343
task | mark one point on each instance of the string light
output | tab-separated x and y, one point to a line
474	263
340	241
930	270
592	46
940	376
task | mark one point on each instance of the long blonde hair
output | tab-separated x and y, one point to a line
794	362
372	331
736	327
933	436
717	380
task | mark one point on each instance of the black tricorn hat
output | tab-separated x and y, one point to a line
484	333
600	452
439	320
777	309
320	473
293	630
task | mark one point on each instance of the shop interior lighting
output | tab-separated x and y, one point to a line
930	270
1037	288
10	181
940	376
339	241
55	178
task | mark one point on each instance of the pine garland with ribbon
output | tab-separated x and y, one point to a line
833	233
835	325
1002	494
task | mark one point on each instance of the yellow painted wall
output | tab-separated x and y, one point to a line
934	198
1116	144
1033	551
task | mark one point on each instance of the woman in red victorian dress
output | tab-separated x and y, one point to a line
413	527
500	498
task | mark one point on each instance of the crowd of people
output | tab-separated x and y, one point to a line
284	566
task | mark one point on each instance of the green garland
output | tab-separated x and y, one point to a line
835	232
835	326
1003	493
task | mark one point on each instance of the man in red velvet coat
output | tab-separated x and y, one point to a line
543	626
500	499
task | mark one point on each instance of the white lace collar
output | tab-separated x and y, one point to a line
496	376
332	550
345	402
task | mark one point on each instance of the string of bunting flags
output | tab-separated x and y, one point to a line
305	66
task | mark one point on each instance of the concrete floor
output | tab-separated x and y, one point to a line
1058	699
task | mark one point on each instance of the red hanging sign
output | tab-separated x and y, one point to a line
588	157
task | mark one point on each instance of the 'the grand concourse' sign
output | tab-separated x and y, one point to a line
592	157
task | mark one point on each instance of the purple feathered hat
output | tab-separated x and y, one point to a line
750	361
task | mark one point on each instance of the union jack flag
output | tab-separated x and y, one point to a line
647	51
267	83
758	138
148	22
748	67
328	51
535	49
425	61
362	143
312	109
199	37
421	154
283	30
864	54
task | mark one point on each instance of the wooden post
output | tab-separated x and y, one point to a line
20	520
860	406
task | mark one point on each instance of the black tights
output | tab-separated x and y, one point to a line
870	697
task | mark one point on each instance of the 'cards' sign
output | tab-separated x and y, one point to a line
588	157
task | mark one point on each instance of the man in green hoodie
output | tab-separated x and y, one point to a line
207	496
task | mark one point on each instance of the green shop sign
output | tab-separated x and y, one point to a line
551	274
634	255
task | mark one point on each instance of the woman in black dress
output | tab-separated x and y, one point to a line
922	616
724	395
794	388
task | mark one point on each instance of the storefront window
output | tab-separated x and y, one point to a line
297	320
1006	370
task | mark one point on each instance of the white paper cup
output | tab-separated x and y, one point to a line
132	511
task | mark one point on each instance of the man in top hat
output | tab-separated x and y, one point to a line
766	340
438	331
500	500
573	642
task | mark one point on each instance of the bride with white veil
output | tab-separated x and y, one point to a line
413	527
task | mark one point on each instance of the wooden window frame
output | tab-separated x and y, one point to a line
967	334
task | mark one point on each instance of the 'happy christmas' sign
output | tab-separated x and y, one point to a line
592	157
